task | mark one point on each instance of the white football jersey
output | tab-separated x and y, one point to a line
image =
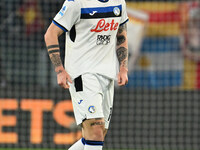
91	27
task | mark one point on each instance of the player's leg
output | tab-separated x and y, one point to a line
94	133
87	104
79	145
96	129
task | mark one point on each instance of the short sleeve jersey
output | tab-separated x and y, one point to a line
91	27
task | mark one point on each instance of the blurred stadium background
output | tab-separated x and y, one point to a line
158	110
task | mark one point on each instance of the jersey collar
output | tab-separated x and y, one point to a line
103	1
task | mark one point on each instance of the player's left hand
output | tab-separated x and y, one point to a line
123	76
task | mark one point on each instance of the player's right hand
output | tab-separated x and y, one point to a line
63	78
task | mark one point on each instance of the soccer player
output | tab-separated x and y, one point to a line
96	54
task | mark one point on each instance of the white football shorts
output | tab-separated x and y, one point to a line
92	97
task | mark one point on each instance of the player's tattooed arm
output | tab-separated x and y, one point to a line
51	39
54	54
122	54
122	46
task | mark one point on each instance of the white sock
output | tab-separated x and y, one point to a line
93	145
79	145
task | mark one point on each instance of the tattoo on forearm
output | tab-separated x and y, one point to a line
120	39
55	58
124	63
97	123
52	46
54	51
122	28
54	54
122	55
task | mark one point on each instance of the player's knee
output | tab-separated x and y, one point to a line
94	130
97	135
97	127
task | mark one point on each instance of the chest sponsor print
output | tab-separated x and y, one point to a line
102	25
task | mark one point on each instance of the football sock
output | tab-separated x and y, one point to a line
93	145
79	145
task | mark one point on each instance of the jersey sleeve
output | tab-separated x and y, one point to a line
124	17
68	16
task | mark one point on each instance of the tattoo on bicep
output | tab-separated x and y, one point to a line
122	28
122	55
120	39
55	58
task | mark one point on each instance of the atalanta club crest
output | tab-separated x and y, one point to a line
116	11
91	109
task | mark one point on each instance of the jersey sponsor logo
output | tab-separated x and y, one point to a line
103	39
103	26
94	12
92	109
116	11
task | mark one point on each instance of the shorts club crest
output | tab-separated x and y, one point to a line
91	109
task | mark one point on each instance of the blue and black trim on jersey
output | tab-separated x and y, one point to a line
60	26
101	12
124	22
